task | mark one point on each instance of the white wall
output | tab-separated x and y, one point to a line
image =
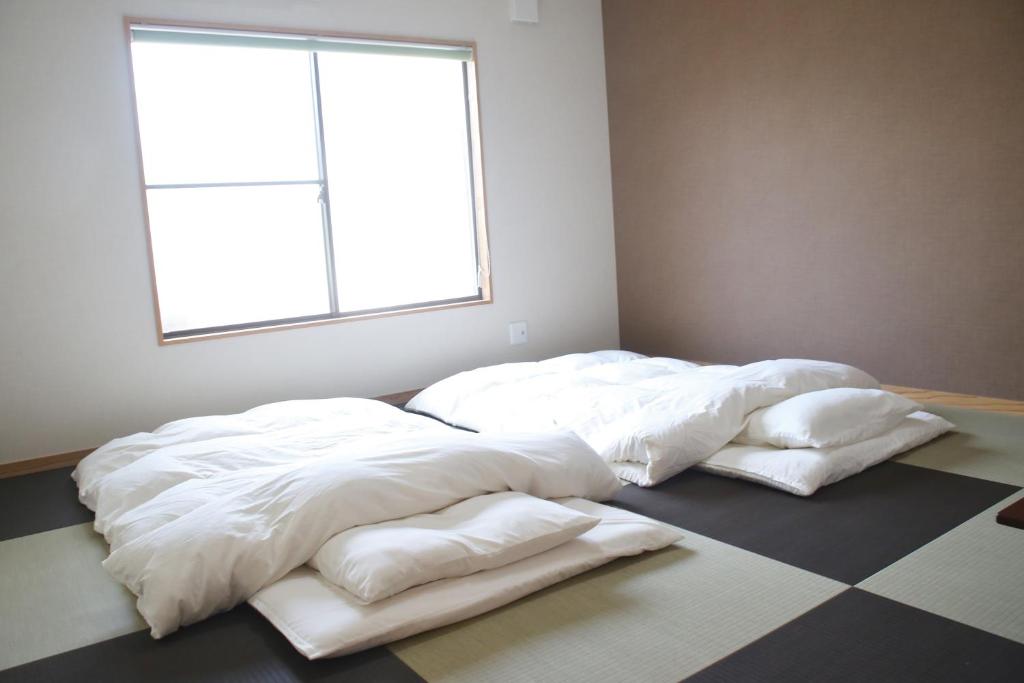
79	359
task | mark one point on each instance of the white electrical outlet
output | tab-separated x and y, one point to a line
517	332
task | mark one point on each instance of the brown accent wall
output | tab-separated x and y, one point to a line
837	179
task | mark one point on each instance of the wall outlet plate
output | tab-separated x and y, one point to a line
517	333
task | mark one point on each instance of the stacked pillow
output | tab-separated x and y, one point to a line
827	418
819	438
376	561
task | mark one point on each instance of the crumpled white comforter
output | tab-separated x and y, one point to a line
649	418
203	513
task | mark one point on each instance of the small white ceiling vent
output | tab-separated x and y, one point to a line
525	11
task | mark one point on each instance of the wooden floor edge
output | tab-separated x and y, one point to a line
949	398
992	405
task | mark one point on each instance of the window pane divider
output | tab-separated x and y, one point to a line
325	188
246	183
468	108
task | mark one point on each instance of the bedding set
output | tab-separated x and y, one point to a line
791	424
347	522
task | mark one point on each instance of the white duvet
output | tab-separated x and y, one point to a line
203	513
649	418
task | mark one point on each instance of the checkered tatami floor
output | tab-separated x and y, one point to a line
899	573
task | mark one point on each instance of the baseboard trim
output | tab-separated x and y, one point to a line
42	464
399	399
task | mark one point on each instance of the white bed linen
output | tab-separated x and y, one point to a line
208	544
491	398
376	561
650	418
271	434
803	471
828	418
202	524
322	620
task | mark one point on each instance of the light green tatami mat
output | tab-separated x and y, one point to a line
658	617
985	445
55	596
973	574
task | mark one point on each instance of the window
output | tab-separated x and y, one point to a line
295	179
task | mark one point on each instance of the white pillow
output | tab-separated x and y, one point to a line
799	376
377	561
823	419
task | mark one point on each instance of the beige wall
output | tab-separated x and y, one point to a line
838	179
79	360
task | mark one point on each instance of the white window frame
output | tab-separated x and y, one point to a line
371	42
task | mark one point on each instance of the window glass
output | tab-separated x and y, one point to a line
212	114
398	163
231	255
291	179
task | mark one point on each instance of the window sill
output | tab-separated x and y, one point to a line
273	327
